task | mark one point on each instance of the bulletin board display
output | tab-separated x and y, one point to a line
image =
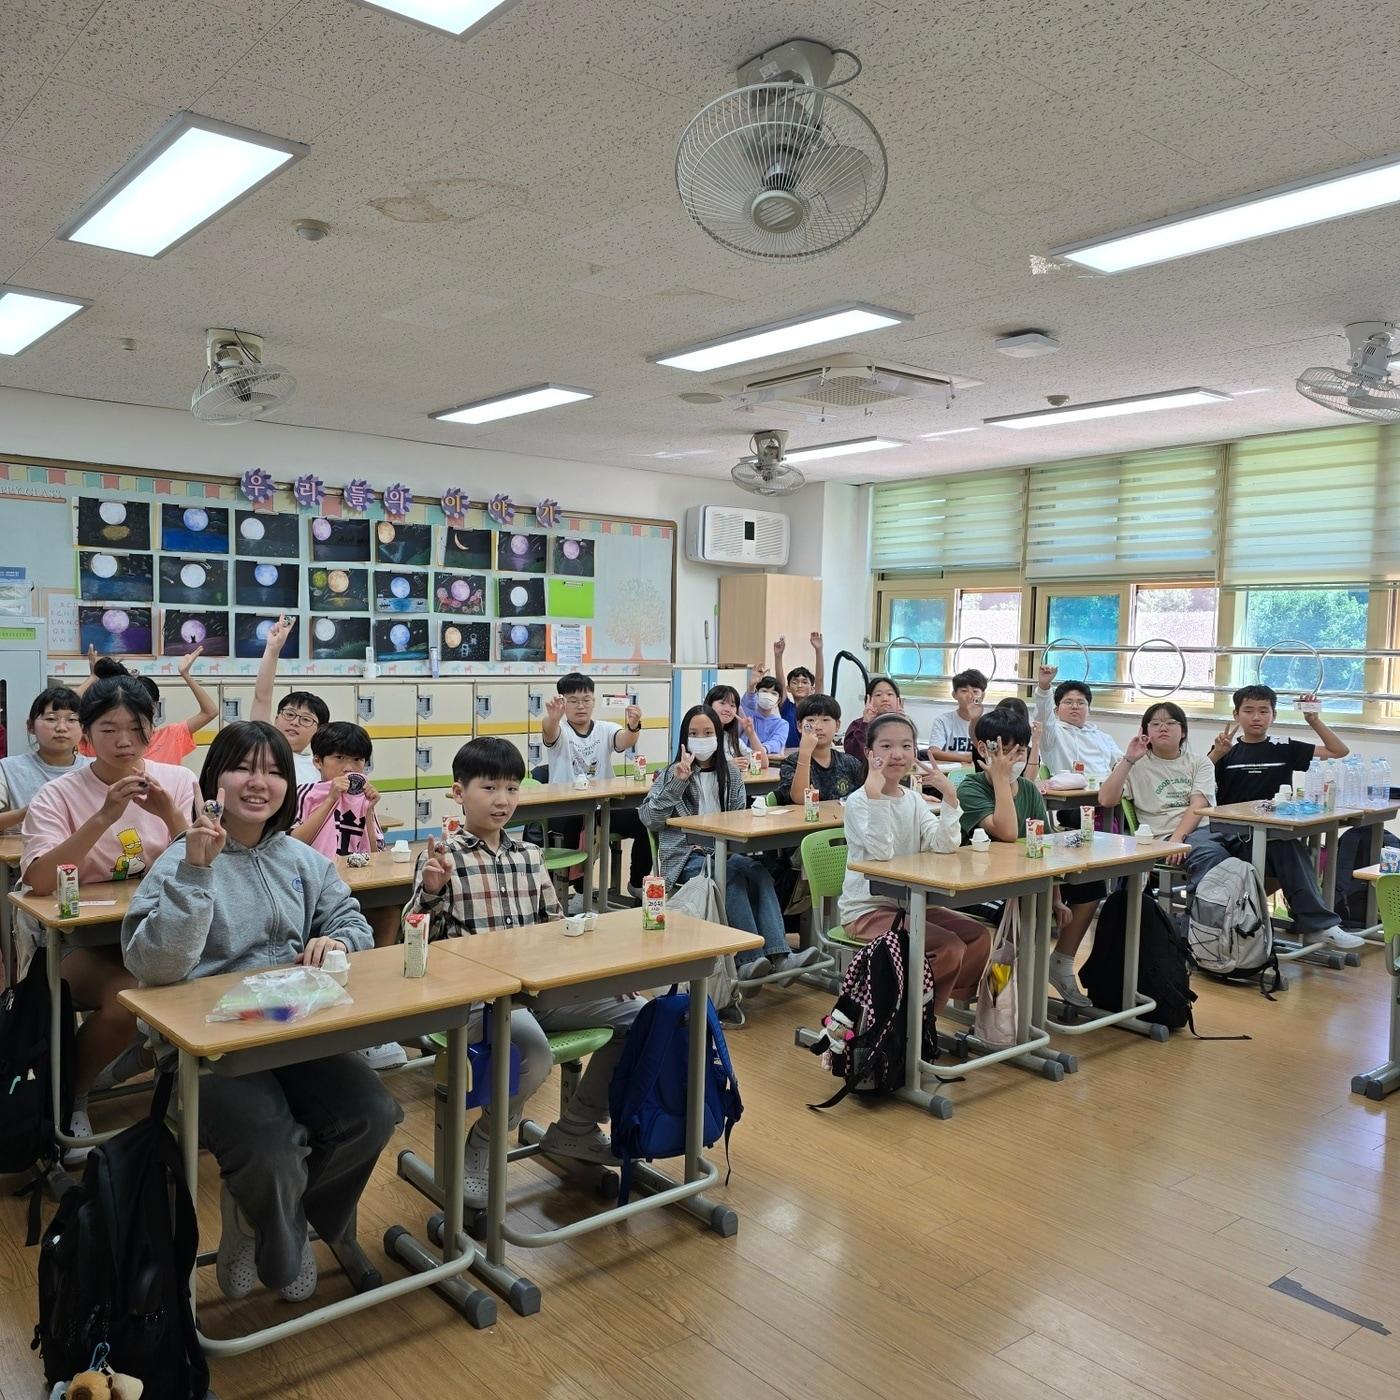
157	566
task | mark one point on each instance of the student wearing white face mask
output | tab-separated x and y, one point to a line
761	704
701	780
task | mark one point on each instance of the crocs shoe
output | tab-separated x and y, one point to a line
591	1146
234	1266
304	1284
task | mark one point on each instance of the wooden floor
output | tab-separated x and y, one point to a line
1107	1238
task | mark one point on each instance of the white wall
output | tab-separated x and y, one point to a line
84	430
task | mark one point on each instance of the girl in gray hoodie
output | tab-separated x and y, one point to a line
295	1145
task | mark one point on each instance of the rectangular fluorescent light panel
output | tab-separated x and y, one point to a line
27	317
841	449
182	180
459	17
1275	210
952	432
776	339
510	405
1110	408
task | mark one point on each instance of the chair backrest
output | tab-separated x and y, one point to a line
771	798
824	864
1388	904
530	782
1129	812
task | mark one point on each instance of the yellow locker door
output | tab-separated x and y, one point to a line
501	707
446	707
444	725
388	711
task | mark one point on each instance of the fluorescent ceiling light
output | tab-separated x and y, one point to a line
842	449
460	17
1110	408
509	405
1282	207
952	432
781	336
26	317
179	182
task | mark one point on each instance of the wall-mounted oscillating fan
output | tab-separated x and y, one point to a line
783	167
764	472
237	387
1364	389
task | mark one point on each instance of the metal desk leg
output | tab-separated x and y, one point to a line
722	876
1038	917
53	960
8	952
1258	850
912	1090
590	831
1384	1079
604	854
1372	932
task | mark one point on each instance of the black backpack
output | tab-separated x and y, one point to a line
1164	965
873	1000
115	1265
26	1090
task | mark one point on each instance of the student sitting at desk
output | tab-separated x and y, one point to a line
1070	735
235	893
700	782
53	730
111	818
885	819
798	684
1000	799
761	703
817	763
882	697
738	735
172	742
1253	769
951	738
485	882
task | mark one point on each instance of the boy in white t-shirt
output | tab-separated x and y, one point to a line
577	745
951	738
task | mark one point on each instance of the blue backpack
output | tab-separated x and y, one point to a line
647	1096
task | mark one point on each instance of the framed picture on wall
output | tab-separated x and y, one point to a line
201	583
400	591
464	594
522	642
408	545
520	597
276	587
521	554
115	578
250	632
339	638
194	529
338	590
265	535
115	631
339	541
466	641
183	632
573	556
466	549
114	524
406	640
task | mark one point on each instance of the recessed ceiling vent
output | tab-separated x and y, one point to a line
843	382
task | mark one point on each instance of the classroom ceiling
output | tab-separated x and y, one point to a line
503	212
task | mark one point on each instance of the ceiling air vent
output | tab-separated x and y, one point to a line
843	382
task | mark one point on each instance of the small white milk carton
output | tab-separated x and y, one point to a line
415	945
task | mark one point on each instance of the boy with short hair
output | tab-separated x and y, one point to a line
760	703
335	814
999	799
1070	736
817	763
577	745
1253	769
485	882
797	686
950	740
299	714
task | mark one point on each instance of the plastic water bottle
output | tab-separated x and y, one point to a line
1312	783
1380	782
1354	781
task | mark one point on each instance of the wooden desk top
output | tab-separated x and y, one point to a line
97	904
742	825
1002	863
1088	794
10	849
543	958
598	790
768	778
1248	814
392	824
381	872
380	990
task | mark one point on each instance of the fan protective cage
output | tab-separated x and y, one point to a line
778	479
241	393
1343	391
781	170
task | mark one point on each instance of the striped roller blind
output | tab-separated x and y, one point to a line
1314	506
941	523
1143	515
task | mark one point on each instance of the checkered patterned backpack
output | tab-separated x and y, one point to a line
870	1012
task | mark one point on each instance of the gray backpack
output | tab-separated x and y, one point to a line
1229	932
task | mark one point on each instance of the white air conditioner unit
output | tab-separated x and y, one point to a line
734	535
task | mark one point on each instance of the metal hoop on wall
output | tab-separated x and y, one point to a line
1157	644
1305	649
910	644
1067	642
968	641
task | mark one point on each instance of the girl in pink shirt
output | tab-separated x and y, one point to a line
111	819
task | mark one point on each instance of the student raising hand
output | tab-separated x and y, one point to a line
437	868
685	765
204	840
1047	675
1138	747
554	708
1224	741
187	662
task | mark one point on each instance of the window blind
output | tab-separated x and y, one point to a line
1314	506
941	523
1143	515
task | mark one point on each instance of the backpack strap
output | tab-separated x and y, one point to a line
33	1217
1191	1026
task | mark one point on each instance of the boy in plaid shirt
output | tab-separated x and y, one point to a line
485	882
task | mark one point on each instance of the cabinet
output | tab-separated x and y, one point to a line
756	609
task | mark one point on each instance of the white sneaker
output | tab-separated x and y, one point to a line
304	1284
390	1055
476	1170
1067	985
592	1146
79	1126
233	1265
1338	937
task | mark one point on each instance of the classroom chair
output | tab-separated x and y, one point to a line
823	855
1170	879
558	861
567	1049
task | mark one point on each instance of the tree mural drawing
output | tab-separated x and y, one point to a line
638	616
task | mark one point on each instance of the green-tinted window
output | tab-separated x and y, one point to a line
1091	619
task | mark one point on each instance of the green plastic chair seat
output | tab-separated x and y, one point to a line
837	934
555	857
564	1046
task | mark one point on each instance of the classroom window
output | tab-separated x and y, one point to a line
990	619
1320	617
920	620
1185	615
1091	619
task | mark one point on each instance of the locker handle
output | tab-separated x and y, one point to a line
423	808
536	706
232	711
483	706
365	705
425	707
424	756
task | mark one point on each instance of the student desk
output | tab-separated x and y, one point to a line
1384	1079
100	912
592	804
10	849
1372	819
387	1006
1068	799
1323	828
384	881
618	956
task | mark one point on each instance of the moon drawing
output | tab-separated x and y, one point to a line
264	629
325	629
399	635
321	528
193	576
103	566
518	597
112	512
196	518
252	529
519	545
115	621
337	580
519	635
460	589
452	636
571	549
399	586
193	631
266	575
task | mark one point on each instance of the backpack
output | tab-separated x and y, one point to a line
872	1000
647	1096
27	1129
699	897
1164	964
1353	850
1229	932
115	1265
994	1018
